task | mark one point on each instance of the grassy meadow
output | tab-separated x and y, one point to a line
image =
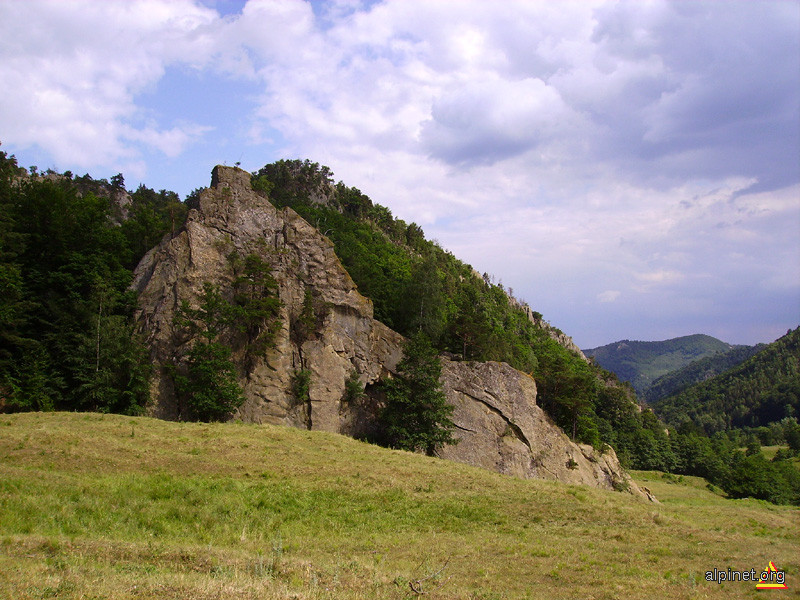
103	506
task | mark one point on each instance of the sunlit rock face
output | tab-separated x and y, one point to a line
501	428
230	217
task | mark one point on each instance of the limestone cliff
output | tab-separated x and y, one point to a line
499	424
230	216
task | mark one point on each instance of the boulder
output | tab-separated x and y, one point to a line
500	427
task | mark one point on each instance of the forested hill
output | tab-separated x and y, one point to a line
68	246
697	372
640	363
416	285
763	389
68	342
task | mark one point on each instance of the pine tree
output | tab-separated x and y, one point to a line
256	302
417	415
208	383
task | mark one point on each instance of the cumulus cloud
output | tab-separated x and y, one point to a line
642	156
71	72
720	95
489	120
656	92
572	145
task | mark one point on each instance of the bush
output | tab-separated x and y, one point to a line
353	388
301	384
209	387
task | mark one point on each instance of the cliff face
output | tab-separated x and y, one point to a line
501	428
231	217
498	422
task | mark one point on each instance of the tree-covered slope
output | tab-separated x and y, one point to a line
698	371
761	390
66	330
641	363
67	251
68	246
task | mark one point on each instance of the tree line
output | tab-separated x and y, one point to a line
763	389
67	340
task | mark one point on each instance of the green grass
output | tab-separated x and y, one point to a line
102	506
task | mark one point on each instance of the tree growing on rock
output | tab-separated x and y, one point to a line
208	383
256	305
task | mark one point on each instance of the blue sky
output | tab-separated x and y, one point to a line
630	169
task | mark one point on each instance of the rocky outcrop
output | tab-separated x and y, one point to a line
564	340
501	428
556	334
499	424
231	217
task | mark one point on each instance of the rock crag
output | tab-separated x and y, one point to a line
230	217
501	428
498	422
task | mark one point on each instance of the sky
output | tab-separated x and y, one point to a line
630	169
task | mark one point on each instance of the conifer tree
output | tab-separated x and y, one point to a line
256	302
209	383
417	415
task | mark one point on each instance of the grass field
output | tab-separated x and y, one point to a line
103	506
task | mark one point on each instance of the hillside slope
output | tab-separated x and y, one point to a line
763	389
415	285
698	371
69	339
120	507
641	363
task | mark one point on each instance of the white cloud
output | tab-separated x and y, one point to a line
567	147
488	120
171	142
660	276
72	70
608	296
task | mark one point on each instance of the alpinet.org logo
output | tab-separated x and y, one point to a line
770	578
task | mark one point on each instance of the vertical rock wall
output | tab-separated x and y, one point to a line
231	216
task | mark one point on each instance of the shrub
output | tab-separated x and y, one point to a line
209	387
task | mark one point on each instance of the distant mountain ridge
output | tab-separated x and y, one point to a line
698	371
641	363
763	389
